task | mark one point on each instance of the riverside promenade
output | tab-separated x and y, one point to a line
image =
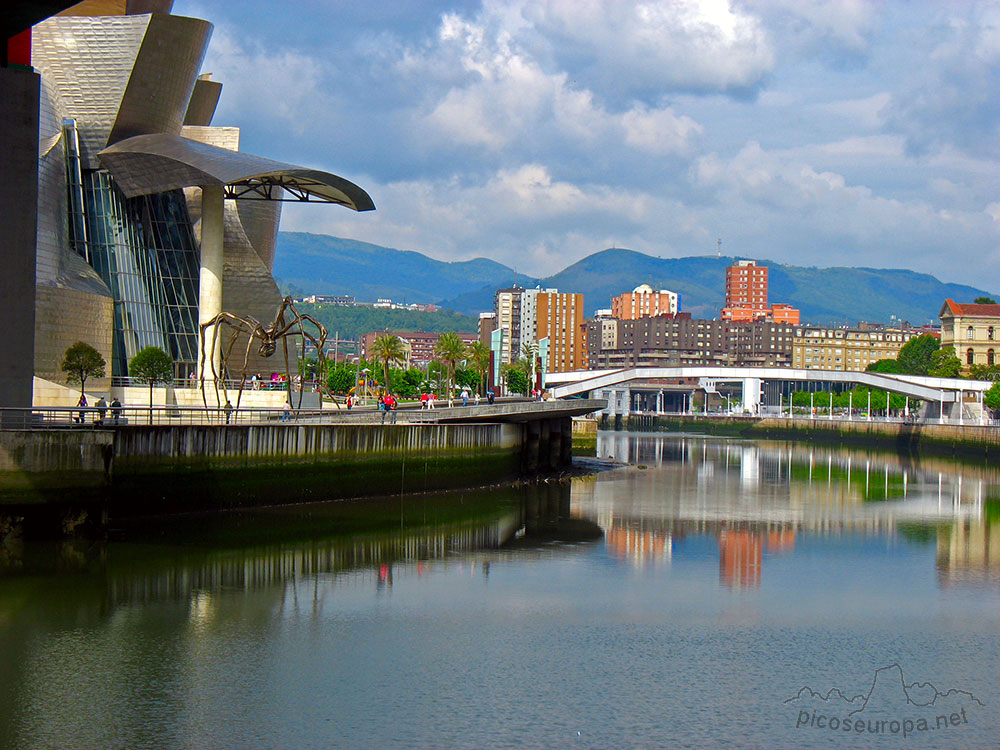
165	460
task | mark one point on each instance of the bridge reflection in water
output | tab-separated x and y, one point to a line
773	492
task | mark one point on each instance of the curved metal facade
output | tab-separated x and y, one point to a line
118	251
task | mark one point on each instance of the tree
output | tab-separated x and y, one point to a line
517	380
151	365
945	364
915	355
450	350
985	301
985	372
80	362
341	379
886	366
479	359
387	350
992	397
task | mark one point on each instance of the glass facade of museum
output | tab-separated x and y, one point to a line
144	250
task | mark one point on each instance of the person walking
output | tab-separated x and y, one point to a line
102	409
228	409
465	396
116	409
286	414
475	400
489	397
83	404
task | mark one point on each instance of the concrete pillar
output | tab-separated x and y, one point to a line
210	280
532	435
566	445
751	395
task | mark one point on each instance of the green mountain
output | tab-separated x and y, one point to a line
330	265
319	264
824	295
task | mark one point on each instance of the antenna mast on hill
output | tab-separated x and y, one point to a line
718	247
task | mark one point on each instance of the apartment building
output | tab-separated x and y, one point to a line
683	341
643	302
528	315
847	349
559	318
746	296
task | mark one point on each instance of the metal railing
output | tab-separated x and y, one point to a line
800	416
93	417
229	384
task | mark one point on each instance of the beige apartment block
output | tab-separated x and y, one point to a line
846	349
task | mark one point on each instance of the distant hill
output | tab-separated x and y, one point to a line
330	265
319	264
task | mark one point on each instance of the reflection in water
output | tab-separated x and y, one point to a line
753	498
731	573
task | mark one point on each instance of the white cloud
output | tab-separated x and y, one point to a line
951	98
625	49
843	25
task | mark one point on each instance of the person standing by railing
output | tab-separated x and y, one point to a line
83	404
116	409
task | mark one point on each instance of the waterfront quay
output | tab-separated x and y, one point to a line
971	441
59	469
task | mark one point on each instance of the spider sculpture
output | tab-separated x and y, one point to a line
227	324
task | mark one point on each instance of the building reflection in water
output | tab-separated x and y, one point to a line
741	553
756	497
968	553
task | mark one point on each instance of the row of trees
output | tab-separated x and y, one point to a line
456	363
924	355
149	366
856	398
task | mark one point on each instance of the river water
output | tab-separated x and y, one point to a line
706	593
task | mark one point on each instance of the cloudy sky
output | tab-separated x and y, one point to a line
536	132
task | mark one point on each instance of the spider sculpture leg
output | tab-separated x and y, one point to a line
287	330
243	377
231	321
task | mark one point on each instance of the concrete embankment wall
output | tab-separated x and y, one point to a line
151	469
971	441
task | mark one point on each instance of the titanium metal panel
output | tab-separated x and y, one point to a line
259	219
204	100
88	61
163	76
159	162
65	316
260	223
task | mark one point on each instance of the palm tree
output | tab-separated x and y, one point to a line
388	350
479	355
450	350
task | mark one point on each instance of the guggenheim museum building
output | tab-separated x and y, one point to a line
128	215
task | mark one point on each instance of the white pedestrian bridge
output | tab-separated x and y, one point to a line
757	387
